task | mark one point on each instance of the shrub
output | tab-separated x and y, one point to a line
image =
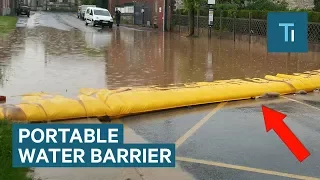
226	7
312	16
255	14
316	5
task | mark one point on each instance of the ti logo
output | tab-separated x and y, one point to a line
287	32
286	29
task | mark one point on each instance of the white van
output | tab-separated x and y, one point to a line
82	10
98	16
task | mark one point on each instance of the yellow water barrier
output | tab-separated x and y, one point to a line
127	101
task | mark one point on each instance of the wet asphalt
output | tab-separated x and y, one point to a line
57	53
236	135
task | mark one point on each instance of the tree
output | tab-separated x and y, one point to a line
316	5
191	6
91	2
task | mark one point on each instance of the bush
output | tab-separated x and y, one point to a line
226	7
7	171
255	14
317	5
312	16
182	11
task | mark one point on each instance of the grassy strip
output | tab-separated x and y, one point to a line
7	25
6	170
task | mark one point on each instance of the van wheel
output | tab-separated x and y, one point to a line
110	26
86	23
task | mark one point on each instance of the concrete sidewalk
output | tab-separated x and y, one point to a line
111	173
137	27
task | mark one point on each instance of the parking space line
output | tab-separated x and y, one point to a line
244	168
191	131
301	103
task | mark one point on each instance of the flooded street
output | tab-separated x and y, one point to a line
57	53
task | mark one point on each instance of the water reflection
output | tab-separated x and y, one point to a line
135	58
98	40
169	58
50	60
53	60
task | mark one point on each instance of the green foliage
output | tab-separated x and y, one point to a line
312	16
183	11
7	25
189	4
226	7
7	172
316	5
258	8
89	2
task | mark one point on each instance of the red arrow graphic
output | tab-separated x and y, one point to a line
274	120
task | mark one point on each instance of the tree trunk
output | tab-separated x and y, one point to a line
191	21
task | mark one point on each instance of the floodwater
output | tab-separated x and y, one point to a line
57	53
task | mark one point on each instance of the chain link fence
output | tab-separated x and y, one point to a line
251	27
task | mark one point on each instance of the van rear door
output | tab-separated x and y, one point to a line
86	13
89	15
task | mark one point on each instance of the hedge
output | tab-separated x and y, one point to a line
316	5
312	15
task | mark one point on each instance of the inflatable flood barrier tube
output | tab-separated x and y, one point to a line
37	107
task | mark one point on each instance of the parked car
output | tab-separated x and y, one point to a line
98	17
82	10
23	10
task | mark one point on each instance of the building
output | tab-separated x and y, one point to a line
49	4
154	13
7	7
57	5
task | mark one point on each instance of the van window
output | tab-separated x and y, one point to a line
101	12
88	11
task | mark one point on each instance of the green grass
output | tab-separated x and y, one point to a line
7	25
6	170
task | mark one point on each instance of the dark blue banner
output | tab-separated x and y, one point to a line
84	145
